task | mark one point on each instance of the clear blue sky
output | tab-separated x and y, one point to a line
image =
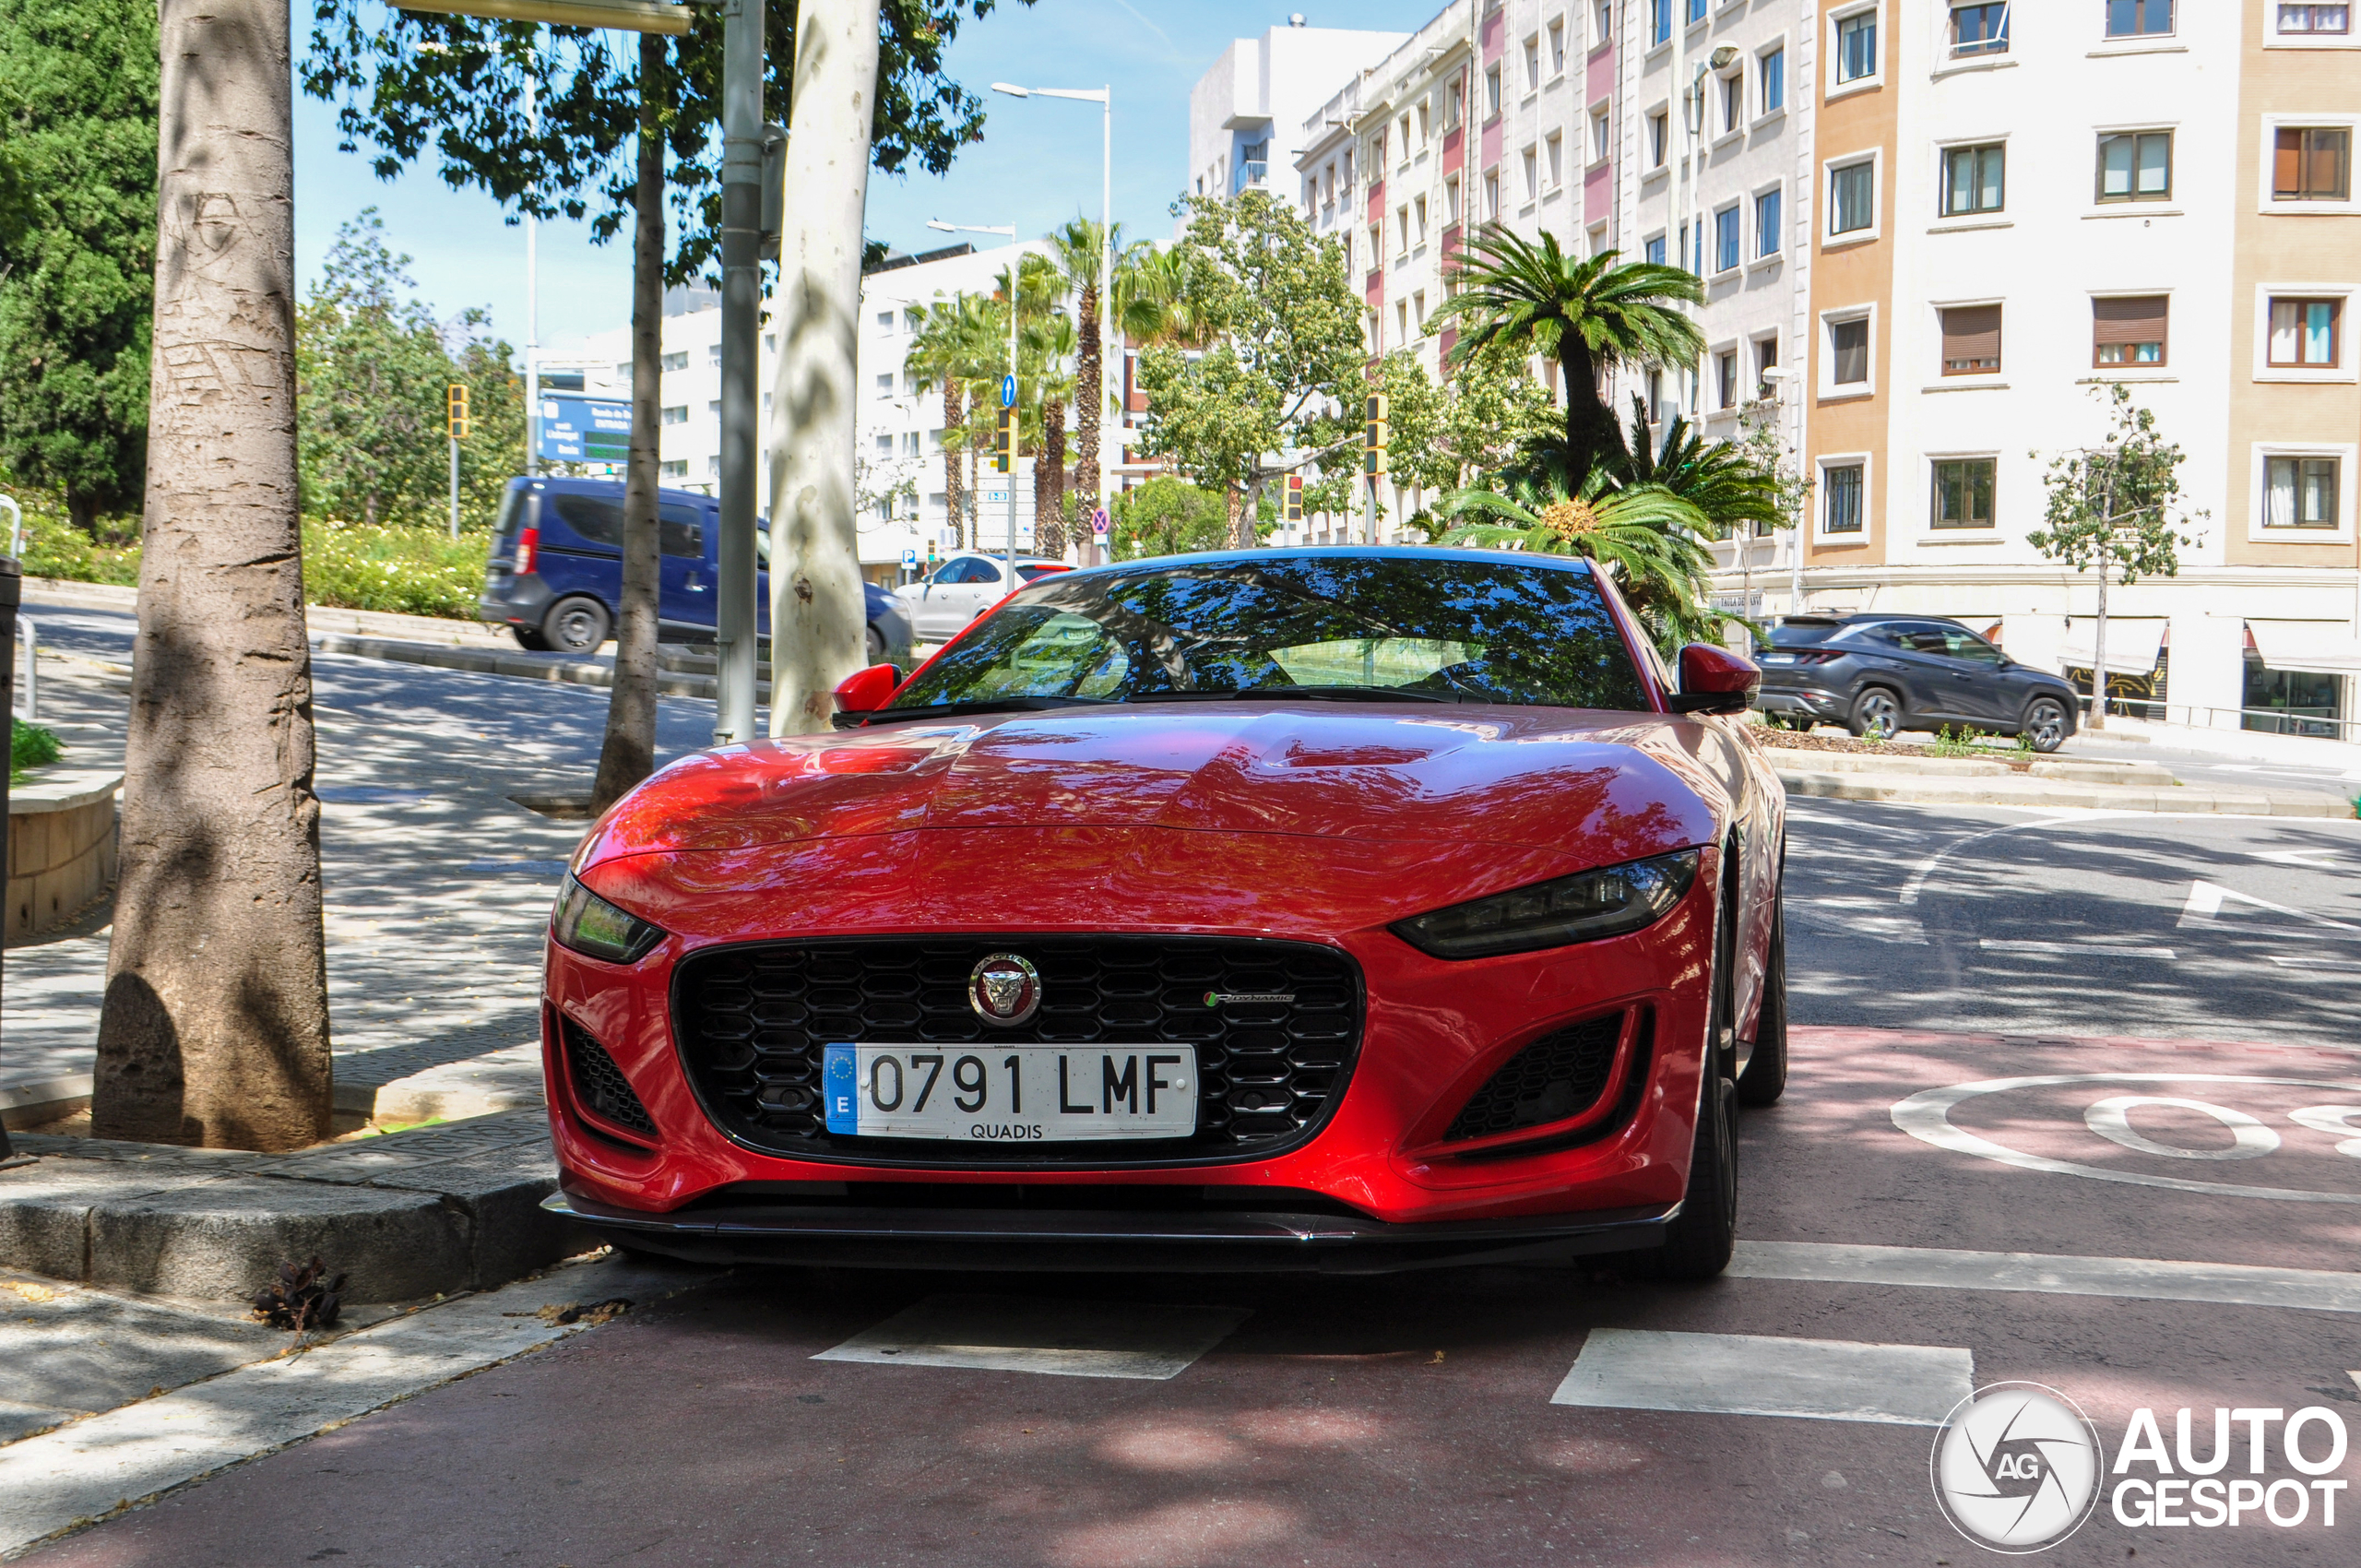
1037	165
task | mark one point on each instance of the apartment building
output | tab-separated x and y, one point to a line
1247	114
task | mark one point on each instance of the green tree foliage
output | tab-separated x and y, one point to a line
77	246
1473	423
1589	314
1166	516
371	375
1278	384
1717	478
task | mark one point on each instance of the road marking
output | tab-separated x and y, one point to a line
2206	899
1029	1335
1926	868
1747	1374
1927	1117
2011	944
2136	1279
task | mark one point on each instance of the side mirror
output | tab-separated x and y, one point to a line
869	690
1715	680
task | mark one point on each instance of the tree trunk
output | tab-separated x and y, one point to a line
954	481
1089	396
818	617
1049	484
1590	424
629	754
215	1027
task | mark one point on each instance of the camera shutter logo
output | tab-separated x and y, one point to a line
2016	1467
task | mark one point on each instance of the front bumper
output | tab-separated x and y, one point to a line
1230	1240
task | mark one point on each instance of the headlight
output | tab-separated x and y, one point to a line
1611	901
590	925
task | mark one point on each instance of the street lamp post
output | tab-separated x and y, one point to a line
1105	98
1779	378
1015	265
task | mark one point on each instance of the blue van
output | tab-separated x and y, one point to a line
556	572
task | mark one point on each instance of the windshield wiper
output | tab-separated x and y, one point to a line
960	710
1317	694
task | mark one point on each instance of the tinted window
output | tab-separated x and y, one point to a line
1032	574
1460	630
596	519
679	530
1802	633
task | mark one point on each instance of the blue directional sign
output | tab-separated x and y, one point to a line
1008	391
585	430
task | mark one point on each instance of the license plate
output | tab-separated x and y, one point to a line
1011	1093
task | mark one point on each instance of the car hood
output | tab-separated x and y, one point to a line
1620	784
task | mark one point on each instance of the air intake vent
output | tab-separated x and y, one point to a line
1559	1075
599	1084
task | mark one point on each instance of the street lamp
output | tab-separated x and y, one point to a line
1105	98
1014	266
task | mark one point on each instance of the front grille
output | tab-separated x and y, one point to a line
599	1084
1559	1075
751	1022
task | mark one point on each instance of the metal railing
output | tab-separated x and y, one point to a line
2317	723
1251	173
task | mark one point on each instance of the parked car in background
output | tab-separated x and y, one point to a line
1879	673
966	583
556	575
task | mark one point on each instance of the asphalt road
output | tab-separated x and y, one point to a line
2093	1039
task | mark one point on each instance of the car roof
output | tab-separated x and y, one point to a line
1372	552
570	485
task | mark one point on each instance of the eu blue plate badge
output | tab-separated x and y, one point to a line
839	1081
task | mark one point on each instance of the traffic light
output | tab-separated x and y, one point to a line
456	411
1373	437
1291	507
1004	442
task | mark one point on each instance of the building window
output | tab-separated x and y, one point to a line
1964	492
884	445
2138	18
1656	409
1848	352
1419	308
910	445
1840	486
1856	46
678	414
1659	138
1419	209
1654	250
712	353
1532	63
1659	21
1458	103
1556	148
678	467
1401	233
2312	163
1769	239
884	323
1725	378
1558	49
1491	196
1532	173
1971	341
1974	179
1492	92
886	385
1852	198
1766	358
1424	129
1775	81
2304	333
1602	133
2299	493
1451	200
1980	29
2129	331
1696	10
1602	23
1725	238
1733	102
1376	245
1402	321
2311	21
2136	166
677	360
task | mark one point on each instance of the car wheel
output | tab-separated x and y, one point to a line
875	645
1698	1243
530	638
1877	713
2045	724
577	624
1765	1078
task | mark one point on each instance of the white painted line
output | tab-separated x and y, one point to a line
1745	1374
2011	944
2205	901
2136	1279
1926	868
93	1467
1028	1334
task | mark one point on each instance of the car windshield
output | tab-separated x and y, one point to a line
1425	627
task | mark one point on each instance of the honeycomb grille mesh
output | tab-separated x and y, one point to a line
751	1022
1559	1075
601	1085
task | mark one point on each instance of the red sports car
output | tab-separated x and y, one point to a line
1346	909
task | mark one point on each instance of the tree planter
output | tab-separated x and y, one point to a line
61	846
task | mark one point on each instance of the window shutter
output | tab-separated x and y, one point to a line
1972	337
2287	164
2139	319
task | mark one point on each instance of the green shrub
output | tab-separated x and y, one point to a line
56	548
412	571
31	746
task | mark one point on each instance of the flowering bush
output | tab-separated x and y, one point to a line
412	570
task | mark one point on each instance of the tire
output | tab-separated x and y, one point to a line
530	638
1765	1078
875	644
2045	724
577	624
1697	1245
1876	711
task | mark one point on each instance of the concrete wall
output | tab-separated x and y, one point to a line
61	850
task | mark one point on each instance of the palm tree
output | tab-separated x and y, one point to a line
1049	366
1153	305
1586	314
954	349
1077	250
1727	489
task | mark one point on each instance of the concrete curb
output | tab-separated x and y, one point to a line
405	1217
1921	790
518	665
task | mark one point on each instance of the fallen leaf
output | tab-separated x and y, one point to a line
1438	1360
29	1290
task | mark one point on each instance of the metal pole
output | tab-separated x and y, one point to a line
29	634
736	616
1015	421
454	487
532	299
1109	455
11	588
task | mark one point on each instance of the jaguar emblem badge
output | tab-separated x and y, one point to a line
1004	990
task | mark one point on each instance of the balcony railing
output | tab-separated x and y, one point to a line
1251	174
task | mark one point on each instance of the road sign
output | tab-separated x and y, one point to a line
910	557
1098	522
1008	391
585	430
